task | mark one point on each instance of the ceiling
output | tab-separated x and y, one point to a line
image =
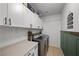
47	9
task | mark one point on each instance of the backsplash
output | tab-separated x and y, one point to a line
8	34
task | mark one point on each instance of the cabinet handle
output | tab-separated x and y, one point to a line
5	20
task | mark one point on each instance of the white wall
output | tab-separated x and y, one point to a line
73	7
52	27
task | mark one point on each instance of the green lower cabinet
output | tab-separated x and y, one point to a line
69	44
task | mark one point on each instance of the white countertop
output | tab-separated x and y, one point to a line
18	48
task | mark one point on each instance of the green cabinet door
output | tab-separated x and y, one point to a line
63	42
71	45
77	47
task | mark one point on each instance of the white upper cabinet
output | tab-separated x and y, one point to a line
3	13
16	14
37	21
31	18
27	17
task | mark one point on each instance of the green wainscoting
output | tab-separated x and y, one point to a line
70	43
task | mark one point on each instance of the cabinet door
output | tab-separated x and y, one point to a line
3	13
27	17
64	42
16	13
37	21
71	45
77	47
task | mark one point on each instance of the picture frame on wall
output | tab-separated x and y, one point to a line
70	20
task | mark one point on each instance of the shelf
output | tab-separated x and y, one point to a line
20	27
